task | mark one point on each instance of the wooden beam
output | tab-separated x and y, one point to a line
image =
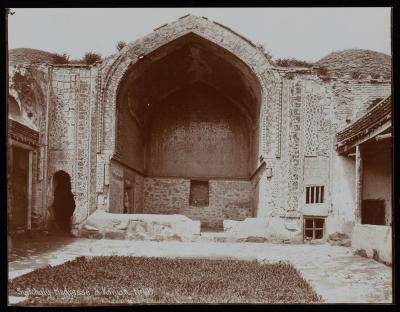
383	137
359	183
30	199
21	145
348	146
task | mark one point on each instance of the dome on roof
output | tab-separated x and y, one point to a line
31	56
358	62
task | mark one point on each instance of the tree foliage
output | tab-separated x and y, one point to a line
91	58
292	63
61	58
120	45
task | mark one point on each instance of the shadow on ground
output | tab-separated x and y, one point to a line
28	245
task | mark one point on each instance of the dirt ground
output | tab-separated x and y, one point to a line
333	271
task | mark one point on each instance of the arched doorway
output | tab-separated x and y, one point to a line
64	203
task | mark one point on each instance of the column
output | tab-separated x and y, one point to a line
359	183
10	178
30	199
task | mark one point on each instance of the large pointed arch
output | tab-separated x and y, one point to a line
115	69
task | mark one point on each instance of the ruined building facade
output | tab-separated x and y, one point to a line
193	120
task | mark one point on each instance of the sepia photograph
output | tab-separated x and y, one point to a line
199	155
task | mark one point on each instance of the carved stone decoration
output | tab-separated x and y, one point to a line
82	137
294	144
41	163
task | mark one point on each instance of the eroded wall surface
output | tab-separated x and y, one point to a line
126	189
198	133
71	134
28	85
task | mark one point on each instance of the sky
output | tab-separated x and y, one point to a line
303	33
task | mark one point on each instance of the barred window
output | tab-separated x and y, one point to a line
314	194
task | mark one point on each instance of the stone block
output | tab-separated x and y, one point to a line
375	240
141	226
88	227
285	229
262	229
339	239
90	234
250	227
114	235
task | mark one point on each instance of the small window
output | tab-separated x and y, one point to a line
199	193
314	194
314	228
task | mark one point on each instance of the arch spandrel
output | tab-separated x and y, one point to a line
26	90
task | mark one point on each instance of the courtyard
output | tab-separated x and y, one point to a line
333	272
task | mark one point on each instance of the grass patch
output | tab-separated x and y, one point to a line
129	280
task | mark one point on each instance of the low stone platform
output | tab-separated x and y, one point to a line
373	241
150	227
273	229
155	227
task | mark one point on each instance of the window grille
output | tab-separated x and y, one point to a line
315	194
314	227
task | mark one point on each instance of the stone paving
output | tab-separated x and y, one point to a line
334	272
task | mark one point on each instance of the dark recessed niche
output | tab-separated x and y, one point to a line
199	193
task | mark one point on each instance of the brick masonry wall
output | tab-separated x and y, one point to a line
125	182
227	200
352	96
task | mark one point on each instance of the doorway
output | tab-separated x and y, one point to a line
64	203
20	188
373	211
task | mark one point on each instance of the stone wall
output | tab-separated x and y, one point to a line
115	69
71	121
294	134
125	189
348	99
272	147
130	134
373	241
28	90
302	136
351	98
227	200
